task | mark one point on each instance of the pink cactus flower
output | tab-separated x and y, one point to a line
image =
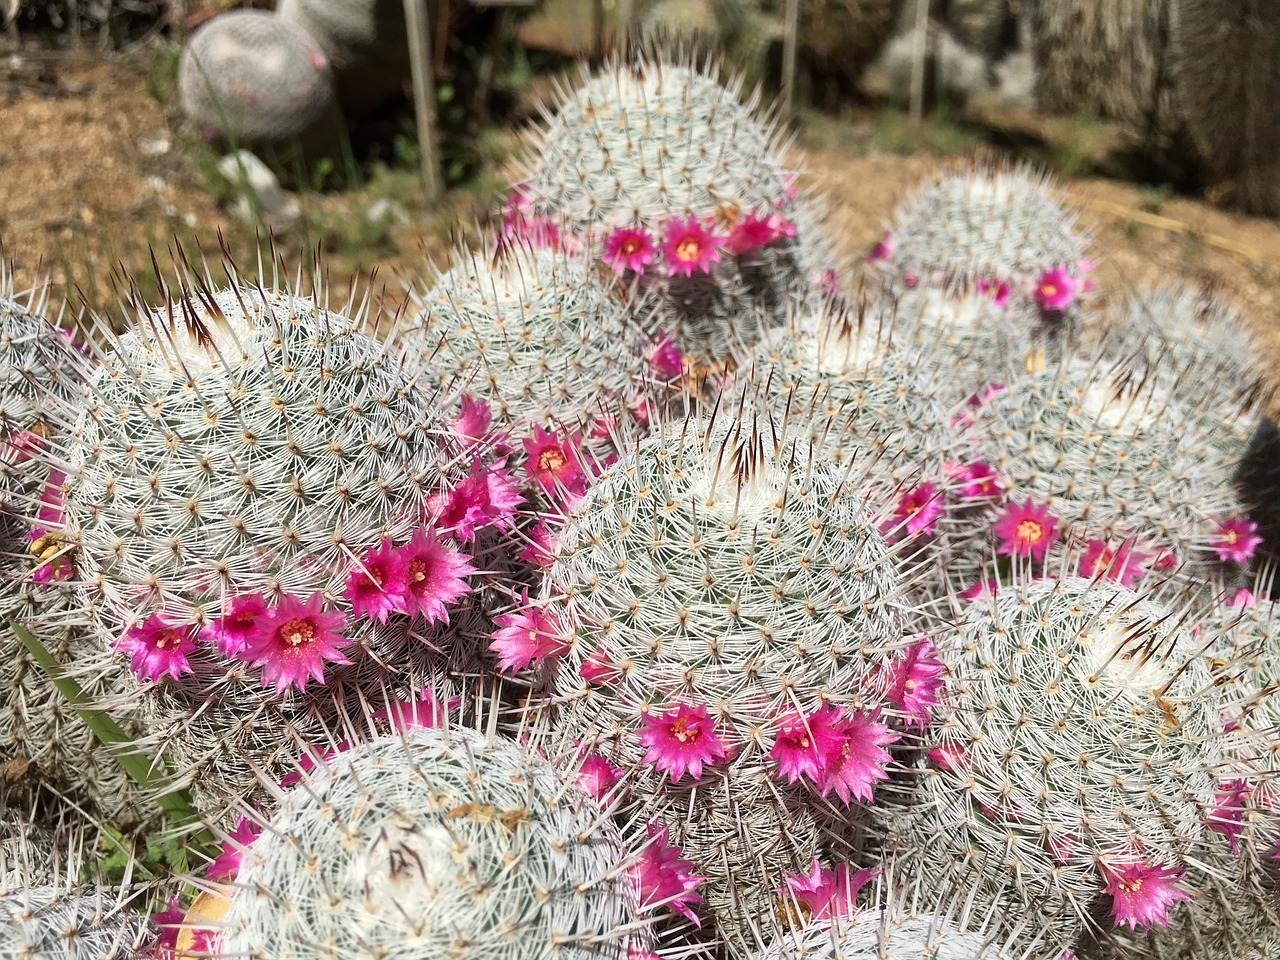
826	281
912	682
883	250
488	498
859	761
950	757
1122	564
376	588
1165	559
600	669
542	548
665	357
157	648
998	289
750	233
552	463
424	711
974	481
234	628
435	575
689	246
1237	539
629	248
1056	289
680	740
982	588
296	641
780	227
471	425
1141	893
1025	530
170	922
662	878
827	894
1227	817
528	636
917	512
224	867
1243	597
597	776
910	280
801	742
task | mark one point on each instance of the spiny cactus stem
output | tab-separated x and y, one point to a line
176	803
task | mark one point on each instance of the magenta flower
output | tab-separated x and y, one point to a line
978	481
434	575
157	648
542	548
750	233
1122	564
224	867
628	248
917	510
860	759
471	425
801	743
681	739
233	629
552	463
1227	817
600	669
1141	894
828	281
827	894
377	587
488	498
780	227
295	641
912	682
1243	597
884	249
665	357
998	289
981	588
529	636
597	776
425	711
1056	289
662	879
1026	529
1237	540
688	246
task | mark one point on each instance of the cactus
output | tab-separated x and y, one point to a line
436	842
680	572
1078	750
258	498
257	79
685	188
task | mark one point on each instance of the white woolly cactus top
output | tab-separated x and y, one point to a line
872	936
435	843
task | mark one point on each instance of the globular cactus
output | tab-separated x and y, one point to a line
1005	224
1077	752
254	78
685	190
720	594
365	40
257	498
436	842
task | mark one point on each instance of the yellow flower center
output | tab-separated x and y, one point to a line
417	571
688	249
167	639
630	245
1030	531
1130	884
297	631
680	730
1049	289
550	460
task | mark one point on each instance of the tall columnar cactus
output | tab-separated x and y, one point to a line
258	79
257	498
437	842
686	191
1078	751
719	594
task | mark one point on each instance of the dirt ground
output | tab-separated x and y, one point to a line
92	174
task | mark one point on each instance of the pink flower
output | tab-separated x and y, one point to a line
665	357
750	233
434	575
801	743
1025	529
157	648
553	464
780	227
224	867
1056	289
529	636
884	249
233	629
1165	559
600	669
295	641
542	548
1227	817
1141	894
950	757
986	587
828	281
998	289
688	246
597	776
426	711
918	510
49	514
859	760
827	894
978	481
471	424
628	248
679	740
662	879
1237	540
913	681
377	587
1243	597
1122	564
488	498
170	923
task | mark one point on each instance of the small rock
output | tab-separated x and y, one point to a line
154	146
387	212
250	175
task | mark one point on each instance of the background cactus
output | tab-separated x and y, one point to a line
257	79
